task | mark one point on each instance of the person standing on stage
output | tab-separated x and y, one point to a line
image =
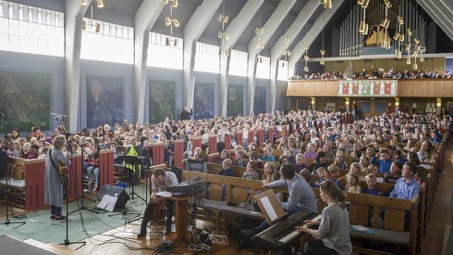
53	184
160	180
334	226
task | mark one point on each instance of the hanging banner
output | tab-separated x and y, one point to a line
367	88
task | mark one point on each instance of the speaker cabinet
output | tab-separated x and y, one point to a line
112	191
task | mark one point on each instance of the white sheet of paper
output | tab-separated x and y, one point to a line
380	180
279	128
164	194
107	203
268	208
360	227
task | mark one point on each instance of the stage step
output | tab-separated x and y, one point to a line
55	248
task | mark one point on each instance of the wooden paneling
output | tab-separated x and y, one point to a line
312	88
425	88
406	88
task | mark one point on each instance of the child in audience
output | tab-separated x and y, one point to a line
226	168
251	173
334	172
225	154
394	174
356	168
12	151
364	161
382	160
370	180
398	157
356	154
239	161
352	184
34	152
322	174
267	155
299	163
270	174
289	154
305	173
310	152
253	156
373	169
339	161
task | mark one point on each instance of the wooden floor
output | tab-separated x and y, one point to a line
122	240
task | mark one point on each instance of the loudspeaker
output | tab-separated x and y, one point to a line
114	191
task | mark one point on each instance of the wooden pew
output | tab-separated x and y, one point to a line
158	153
14	182
270	134
393	231
179	152
239	138
212	144
228	141
216	168
106	168
29	184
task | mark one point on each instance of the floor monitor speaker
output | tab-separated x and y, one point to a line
114	191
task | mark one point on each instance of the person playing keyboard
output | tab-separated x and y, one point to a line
334	227
300	196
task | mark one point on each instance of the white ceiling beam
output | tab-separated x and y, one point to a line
144	20
277	51
242	20
234	30
298	51
192	32
295	28
441	12
269	28
74	13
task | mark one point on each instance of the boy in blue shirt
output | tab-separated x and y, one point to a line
382	159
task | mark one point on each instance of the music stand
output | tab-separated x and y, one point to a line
8	196
134	161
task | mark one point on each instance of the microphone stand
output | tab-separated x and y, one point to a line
66	242
8	197
82	206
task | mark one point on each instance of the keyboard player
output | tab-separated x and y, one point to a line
301	196
332	236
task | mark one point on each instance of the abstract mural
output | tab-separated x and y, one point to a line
259	105
161	100
25	100
105	101
235	100
203	101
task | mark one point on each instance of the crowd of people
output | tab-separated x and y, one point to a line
392	144
375	74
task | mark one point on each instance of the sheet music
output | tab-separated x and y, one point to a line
268	208
107	203
163	194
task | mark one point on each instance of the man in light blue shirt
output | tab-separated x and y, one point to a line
300	196
407	186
